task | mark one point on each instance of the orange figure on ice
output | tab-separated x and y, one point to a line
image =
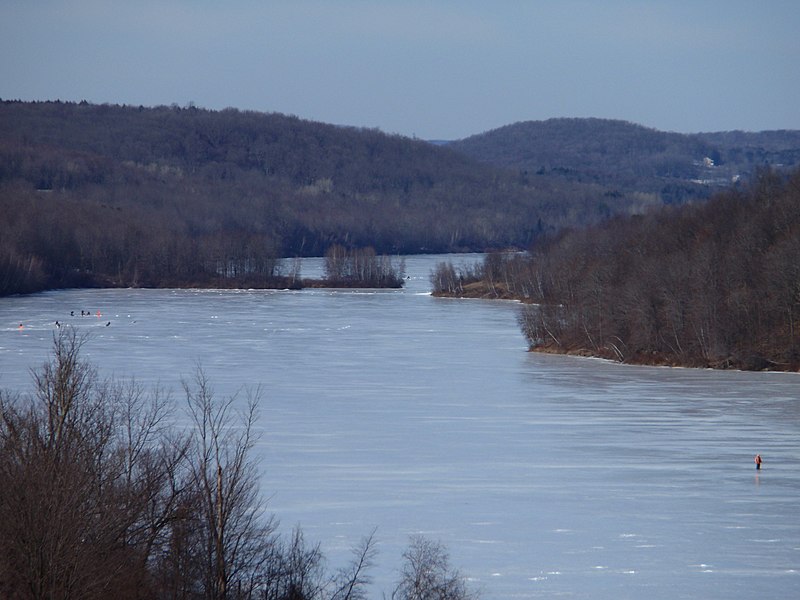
758	462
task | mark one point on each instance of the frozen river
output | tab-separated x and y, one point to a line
545	476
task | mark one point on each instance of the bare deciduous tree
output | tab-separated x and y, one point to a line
78	500
236	532
352	581
427	575
101	496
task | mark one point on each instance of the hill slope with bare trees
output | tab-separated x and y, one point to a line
628	158
121	195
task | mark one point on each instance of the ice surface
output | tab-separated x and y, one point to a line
544	475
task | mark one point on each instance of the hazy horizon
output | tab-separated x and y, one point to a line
439	70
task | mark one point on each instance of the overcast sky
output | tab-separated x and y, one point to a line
435	69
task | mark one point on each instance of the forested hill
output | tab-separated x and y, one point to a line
632	158
122	195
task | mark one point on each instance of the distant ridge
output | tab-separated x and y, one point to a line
630	157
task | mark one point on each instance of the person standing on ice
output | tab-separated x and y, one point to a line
758	462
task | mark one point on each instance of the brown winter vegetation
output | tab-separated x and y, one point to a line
104	195
705	285
103	495
175	197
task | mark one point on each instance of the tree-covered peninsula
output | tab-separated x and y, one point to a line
715	284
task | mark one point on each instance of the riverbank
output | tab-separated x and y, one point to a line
480	290
484	291
656	359
219	283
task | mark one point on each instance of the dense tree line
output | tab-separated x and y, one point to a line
714	284
747	150
171	196
102	495
626	157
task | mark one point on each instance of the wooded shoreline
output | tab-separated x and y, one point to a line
712	285
482	291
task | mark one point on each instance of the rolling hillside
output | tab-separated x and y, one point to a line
131	195
631	158
122	195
